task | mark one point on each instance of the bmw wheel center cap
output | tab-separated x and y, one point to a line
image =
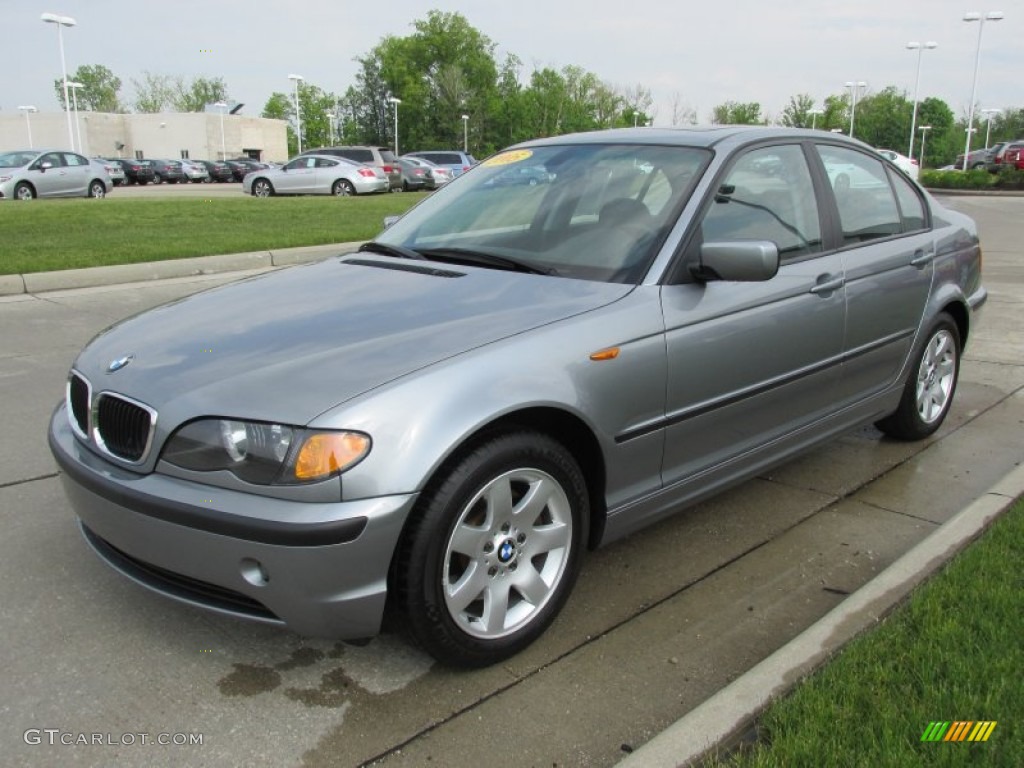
506	551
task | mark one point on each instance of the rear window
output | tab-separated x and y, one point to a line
443	158
359	155
387	155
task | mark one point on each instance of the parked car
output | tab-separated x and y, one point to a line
415	176
446	420
999	152
1014	157
135	171
978	158
524	175
168	171
906	164
375	157
239	168
436	176
316	175
195	171
30	173
455	161
218	170
114	170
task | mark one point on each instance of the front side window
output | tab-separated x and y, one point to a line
766	195
597	212
867	207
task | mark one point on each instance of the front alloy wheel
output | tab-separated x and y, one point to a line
262	188
494	549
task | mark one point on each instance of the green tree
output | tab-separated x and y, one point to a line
883	119
99	91
278	107
736	113
797	114
195	95
153	93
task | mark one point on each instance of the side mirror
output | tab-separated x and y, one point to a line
742	261
45	166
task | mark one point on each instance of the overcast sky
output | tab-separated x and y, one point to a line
706	52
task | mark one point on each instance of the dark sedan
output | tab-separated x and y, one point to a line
135	171
167	171
239	168
218	169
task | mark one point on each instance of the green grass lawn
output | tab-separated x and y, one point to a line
954	652
64	234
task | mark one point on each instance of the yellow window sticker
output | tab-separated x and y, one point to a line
507	158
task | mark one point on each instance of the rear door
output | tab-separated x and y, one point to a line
750	362
79	173
887	251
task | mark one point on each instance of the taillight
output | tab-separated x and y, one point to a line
913	161
465	168
367	172
388	168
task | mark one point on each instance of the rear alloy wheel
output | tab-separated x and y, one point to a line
493	550
24	191
929	391
342	188
262	188
97	189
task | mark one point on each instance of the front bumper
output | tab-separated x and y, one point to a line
319	569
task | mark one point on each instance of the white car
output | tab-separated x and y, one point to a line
906	164
31	173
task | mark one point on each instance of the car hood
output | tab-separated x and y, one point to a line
286	346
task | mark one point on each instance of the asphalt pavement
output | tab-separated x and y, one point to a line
700	619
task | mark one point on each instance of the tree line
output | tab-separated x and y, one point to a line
452	91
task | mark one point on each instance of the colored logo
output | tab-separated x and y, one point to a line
959	730
506	550
119	363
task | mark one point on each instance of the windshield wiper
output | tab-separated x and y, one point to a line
392	250
481	258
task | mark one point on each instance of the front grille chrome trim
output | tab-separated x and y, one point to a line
97	431
83	411
71	398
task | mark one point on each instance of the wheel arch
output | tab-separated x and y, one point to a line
961	316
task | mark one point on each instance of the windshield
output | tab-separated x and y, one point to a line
586	211
16	159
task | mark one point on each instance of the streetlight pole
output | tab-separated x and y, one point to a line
223	149
814	117
924	133
854	87
920	48
465	134
78	125
975	16
28	125
62	21
396	101
988	129
330	123
298	114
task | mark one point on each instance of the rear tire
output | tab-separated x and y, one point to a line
343	188
493	549
97	189
929	391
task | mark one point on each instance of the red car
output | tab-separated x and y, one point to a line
1013	156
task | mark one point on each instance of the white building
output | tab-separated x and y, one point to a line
166	135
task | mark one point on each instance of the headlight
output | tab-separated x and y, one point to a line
264	453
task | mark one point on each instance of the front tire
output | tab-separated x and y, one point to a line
493	549
24	191
262	188
928	394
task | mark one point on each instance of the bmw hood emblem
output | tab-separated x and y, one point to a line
119	363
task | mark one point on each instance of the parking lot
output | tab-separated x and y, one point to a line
100	672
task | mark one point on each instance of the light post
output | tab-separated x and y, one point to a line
854	87
920	48
814	117
223	150
396	101
330	123
62	21
28	124
74	96
975	16
988	129
298	115
465	134
924	134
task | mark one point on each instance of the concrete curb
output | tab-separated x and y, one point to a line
41	282
719	721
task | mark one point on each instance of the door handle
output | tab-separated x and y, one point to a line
922	258
828	284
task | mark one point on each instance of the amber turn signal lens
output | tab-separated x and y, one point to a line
610	353
324	454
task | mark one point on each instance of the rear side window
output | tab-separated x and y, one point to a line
911	207
359	155
443	158
867	206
